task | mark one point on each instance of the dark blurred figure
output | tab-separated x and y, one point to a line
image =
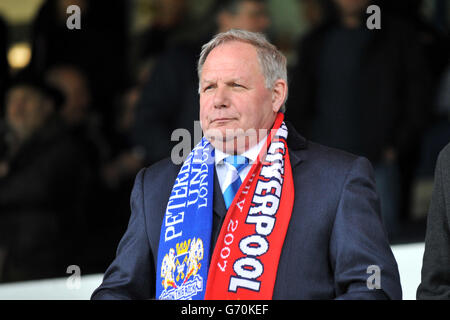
98	47
43	185
169	17
312	12
4	68
443	94
250	15
73	83
126	160
433	37
77	111
364	91
119	173
169	98
82	122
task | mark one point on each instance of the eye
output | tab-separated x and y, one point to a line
208	88
237	85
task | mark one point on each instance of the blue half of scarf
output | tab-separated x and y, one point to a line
183	253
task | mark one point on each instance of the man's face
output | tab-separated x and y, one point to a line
251	16
233	95
26	110
74	87
352	7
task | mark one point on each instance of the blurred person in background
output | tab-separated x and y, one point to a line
126	161
98	47
364	91
43	185
170	15
250	15
435	137
434	37
312	12
169	98
443	95
82	122
4	68
73	83
77	111
119	172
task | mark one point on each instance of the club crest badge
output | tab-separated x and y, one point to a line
179	270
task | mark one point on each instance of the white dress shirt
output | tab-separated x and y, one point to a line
222	167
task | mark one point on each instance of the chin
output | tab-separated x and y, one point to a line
228	147
216	133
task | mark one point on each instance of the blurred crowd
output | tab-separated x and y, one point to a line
95	105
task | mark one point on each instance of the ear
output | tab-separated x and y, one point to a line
279	93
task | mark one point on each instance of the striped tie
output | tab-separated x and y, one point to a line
236	164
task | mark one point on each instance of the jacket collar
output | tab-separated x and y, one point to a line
297	144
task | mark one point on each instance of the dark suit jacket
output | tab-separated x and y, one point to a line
436	259
334	234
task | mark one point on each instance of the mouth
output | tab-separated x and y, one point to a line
220	121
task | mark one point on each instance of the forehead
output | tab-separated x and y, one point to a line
232	57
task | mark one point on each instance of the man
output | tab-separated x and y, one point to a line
43	185
77	111
84	125
436	259
364	91
303	224
168	100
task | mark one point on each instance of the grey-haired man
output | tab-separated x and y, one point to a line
293	220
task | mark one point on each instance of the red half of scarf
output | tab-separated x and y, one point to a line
247	252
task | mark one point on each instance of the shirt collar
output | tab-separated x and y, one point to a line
251	154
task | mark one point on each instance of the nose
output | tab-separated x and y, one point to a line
221	99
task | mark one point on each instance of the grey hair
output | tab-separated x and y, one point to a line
271	60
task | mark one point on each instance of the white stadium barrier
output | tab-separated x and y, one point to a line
408	256
51	289
409	259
